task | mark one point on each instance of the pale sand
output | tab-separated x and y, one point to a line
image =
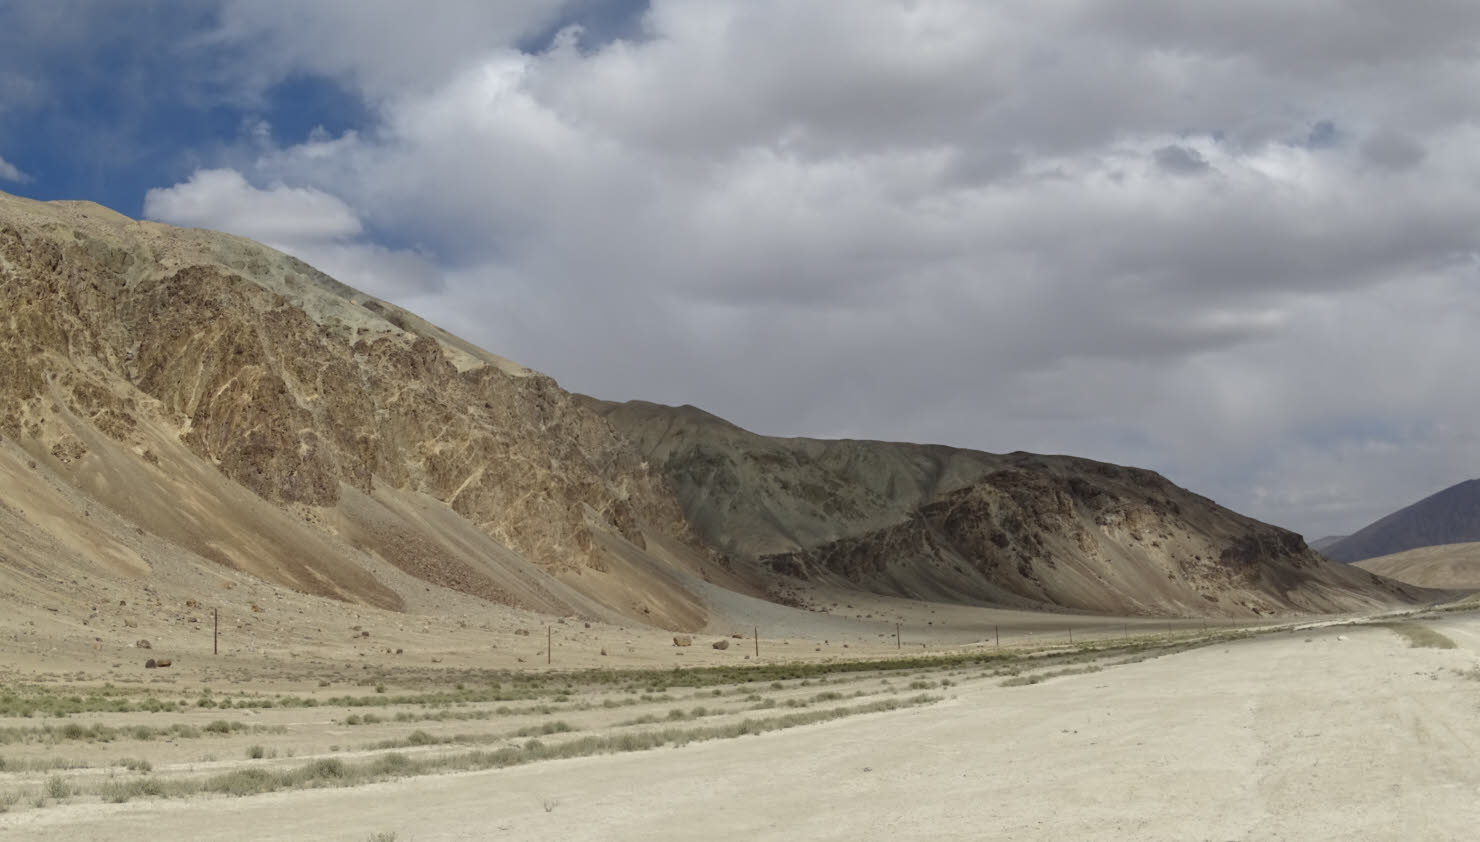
1300	735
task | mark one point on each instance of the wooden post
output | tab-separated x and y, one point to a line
215	631
757	641
897	643
997	632
549	642
1071	636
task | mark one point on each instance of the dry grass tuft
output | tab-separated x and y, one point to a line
1420	636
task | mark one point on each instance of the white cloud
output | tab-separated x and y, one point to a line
305	222
1015	225
8	172
224	200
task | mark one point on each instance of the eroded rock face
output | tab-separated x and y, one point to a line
1019	529
297	387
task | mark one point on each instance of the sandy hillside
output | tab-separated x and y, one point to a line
1455	566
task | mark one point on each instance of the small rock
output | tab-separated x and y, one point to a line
150	664
143	644
683	640
721	644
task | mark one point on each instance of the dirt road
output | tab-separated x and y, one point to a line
1342	733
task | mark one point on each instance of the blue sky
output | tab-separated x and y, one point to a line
1184	236
120	102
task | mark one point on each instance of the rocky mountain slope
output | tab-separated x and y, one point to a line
1451	516
940	523
178	403
221	398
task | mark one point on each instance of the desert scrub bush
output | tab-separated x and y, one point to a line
117	792
1034	678
336	773
58	788
136	764
558	726
255	752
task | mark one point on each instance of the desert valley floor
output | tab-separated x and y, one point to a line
1356	728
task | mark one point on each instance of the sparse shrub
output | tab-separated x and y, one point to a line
57	787
255	752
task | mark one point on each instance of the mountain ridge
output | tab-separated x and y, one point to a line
179	399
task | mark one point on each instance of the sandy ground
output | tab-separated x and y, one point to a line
1335	733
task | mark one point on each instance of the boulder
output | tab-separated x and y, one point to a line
683	640
721	644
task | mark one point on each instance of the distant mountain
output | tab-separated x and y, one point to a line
1320	544
1450	517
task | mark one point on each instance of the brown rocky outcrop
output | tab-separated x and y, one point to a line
1019	529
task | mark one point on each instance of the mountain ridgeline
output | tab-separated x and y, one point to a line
177	401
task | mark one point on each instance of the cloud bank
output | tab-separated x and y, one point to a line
1168	235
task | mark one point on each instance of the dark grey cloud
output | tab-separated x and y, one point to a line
1199	239
1181	160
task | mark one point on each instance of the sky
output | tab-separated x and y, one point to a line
1236	243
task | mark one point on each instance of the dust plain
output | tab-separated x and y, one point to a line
1324	732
